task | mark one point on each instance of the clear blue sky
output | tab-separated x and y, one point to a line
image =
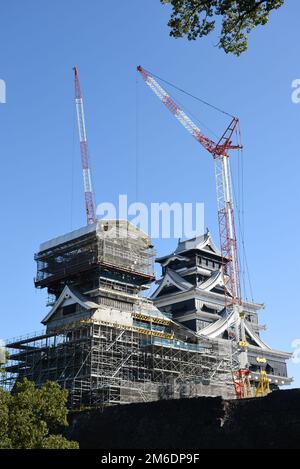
39	44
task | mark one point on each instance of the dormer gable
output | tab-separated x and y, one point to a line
173	279
67	305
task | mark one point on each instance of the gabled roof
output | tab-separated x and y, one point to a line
77	297
172	278
261	344
216	329
216	279
255	337
200	243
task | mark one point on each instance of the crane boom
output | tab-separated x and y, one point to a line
87	180
226	219
214	148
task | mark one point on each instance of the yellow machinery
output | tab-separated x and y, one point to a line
263	388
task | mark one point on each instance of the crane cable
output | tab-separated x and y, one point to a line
239	202
241	220
72	169
191	95
243	259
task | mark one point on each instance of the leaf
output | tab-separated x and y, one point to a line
198	18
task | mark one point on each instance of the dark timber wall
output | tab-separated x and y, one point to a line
271	422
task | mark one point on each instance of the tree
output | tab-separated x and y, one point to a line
197	18
32	418
3	356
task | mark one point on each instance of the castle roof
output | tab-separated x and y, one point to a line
199	243
74	296
103	228
203	243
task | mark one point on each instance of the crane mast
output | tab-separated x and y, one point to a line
226	219
86	172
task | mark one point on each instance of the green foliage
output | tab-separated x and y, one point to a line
58	442
5	400
32	418
197	18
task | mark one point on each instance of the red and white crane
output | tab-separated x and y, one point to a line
87	180
228	240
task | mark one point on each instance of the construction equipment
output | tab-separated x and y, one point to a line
228	239
263	388
87	181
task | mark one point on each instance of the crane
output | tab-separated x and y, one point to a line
87	181
228	240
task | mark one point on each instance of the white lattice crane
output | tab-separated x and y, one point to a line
86	172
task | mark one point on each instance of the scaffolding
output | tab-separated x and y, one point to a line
121	245
104	364
115	244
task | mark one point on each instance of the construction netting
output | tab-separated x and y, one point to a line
115	243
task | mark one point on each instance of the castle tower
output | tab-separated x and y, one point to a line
192	291
105	264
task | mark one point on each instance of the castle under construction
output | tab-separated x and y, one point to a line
106	343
